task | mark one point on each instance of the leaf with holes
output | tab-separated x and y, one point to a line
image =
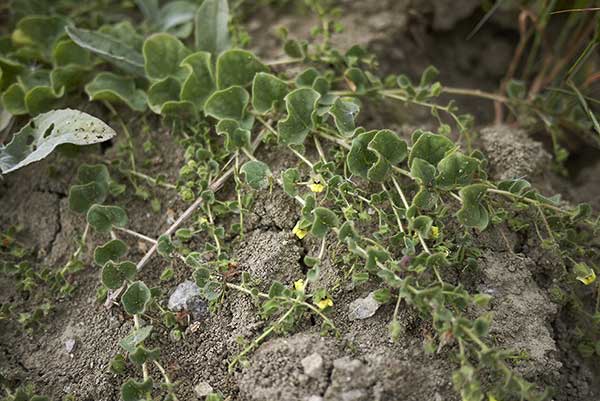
212	32
301	105
114	51
473	212
228	103
268	92
430	147
92	187
324	220
163	55
237	67
45	132
103	218
257	174
344	112
111	251
114	274
136	298
116	89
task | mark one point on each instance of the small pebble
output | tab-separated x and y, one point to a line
313	365
184	292
363	308
70	345
203	389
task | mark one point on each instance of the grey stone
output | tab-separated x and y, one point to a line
182	294
313	365
203	389
70	345
363	308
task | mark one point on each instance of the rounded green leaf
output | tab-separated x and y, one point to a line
113	274
473	212
111	251
237	67
200	82
228	103
235	136
41	99
136	391
116	89
325	220
423	172
163	54
133	339
256	173
422	225
267	92
360	158
162	92
13	100
301	106
135	298
456	170
102	218
289	178
344	112
92	188
165	246
67	52
430	147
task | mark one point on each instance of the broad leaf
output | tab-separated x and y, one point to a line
114	274
67	52
268	92
40	31
301	105
237	67
200	82
430	147
103	218
112	250
45	132
236	137
110	49
116	89
344	112
257	174
136	391
163	54
92	187
133	339
422	225
374	152
289	178
456	170
473	212
135	298
228	103
324	220
212	32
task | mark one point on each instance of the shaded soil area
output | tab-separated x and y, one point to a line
363	364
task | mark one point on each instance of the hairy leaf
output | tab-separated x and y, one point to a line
237	67
301	106
163	54
344	112
136	391
325	220
456	170
268	92
114	274
430	147
200	82
473	212
212	32
135	298
257	174
92	187
228	103
112	250
103	218
114	88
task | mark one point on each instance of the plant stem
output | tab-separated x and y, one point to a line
151	180
135	234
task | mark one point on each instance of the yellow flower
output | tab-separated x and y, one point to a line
299	285
316	187
324	303
435	231
300	233
589	279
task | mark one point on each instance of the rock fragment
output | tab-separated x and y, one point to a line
313	365
363	308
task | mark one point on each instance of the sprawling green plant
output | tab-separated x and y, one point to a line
406	211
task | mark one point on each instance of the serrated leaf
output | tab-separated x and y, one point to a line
344	112
111	251
228	103
212	31
116	89
114	274
237	67
256	174
301	106
268	91
200	82
135	298
92	188
456	170
163	54
109	49
430	147
473	212
324	220
103	218
133	390
45	132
